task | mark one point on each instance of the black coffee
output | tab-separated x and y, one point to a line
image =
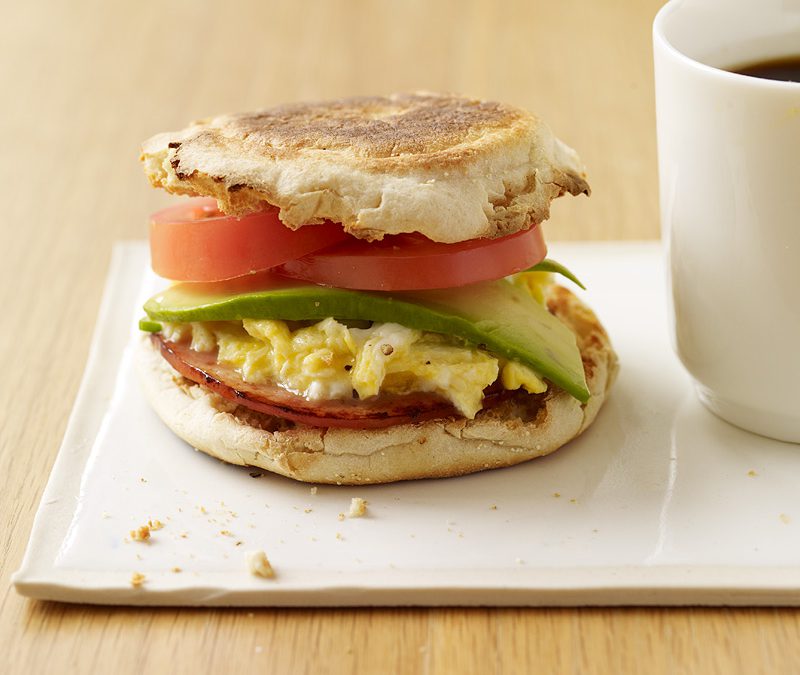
786	69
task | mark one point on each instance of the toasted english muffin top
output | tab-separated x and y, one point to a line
448	167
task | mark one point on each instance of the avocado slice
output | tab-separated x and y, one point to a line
495	314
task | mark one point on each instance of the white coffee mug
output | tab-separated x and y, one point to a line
729	165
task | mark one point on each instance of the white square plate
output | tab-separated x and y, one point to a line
658	503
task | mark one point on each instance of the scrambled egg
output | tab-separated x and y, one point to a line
329	360
535	283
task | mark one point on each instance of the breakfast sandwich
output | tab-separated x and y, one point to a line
361	292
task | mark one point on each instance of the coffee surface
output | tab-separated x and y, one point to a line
786	69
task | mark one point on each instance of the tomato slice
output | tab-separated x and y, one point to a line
410	262
194	241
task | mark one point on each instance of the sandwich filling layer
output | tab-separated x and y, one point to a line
329	360
349	361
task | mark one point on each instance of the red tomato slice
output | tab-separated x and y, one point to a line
410	262
193	241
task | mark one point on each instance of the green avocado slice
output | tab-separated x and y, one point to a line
497	315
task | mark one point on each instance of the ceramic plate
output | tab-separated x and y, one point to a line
659	502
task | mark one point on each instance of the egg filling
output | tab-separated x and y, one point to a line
331	360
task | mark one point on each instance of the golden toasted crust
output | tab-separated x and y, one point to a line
524	427
451	168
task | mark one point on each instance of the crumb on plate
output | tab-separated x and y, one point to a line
358	507
259	565
137	579
141	534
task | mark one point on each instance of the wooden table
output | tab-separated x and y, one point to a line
84	82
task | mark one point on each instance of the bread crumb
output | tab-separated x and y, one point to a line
259	565
141	534
202	509
556	495
573	501
177	570
226	533
785	519
493	507
155	524
137	579
340	516
314	490
339	536
307	510
358	507
184	535
752	473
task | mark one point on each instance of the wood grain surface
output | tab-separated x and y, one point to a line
83	83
